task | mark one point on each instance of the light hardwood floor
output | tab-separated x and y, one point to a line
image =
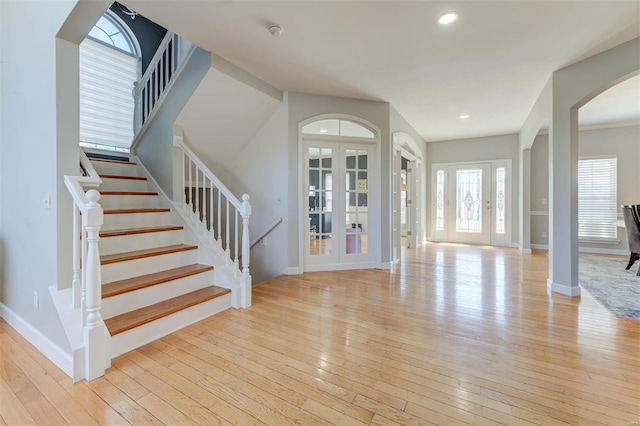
454	335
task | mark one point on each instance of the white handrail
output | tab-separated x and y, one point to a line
215	212
266	231
225	191
87	289
166	64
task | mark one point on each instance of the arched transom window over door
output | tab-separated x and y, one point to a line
338	191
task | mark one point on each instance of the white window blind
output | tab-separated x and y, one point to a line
597	198
106	97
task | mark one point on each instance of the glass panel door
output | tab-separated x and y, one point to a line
356	200
470	195
337	200
320	164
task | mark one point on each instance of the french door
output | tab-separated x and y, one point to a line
470	202
336	199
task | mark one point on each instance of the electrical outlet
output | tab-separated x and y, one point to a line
47	200
544	234
263	241
36	300
544	201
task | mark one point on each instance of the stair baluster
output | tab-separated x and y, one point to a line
233	242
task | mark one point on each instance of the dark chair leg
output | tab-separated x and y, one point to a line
632	260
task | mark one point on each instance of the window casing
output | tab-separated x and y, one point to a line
597	198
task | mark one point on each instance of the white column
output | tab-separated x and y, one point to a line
525	201
563	202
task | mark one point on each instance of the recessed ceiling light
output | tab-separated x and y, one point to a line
447	18
464	116
323	130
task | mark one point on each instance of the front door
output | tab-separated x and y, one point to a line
336	197
471	202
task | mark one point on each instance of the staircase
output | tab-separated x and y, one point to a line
152	280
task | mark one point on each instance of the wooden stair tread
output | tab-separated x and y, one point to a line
104	160
140	254
129	320
128	193
133	231
130	284
123	177
127	211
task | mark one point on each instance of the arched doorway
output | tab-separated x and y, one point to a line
340	193
109	67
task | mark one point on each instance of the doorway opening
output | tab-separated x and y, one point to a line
408	207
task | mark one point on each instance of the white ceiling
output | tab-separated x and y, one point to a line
491	64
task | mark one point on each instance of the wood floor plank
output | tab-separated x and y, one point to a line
13	410
71	411
452	335
99	409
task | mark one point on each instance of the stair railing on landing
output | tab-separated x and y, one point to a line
216	212
165	65
86	289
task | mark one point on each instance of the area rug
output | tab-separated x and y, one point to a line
607	281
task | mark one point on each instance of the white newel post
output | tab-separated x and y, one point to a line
245	289
94	332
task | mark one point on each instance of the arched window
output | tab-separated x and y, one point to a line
109	67
111	32
336	127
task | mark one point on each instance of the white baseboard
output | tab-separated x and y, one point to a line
540	246
385	265
60	358
570	291
293	270
603	251
594	250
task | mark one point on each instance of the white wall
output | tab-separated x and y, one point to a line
623	142
33	161
479	149
222	116
303	106
261	171
155	148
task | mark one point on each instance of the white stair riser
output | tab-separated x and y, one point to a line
107	168
140	336
148	265
126	302
109	184
109	202
123	243
135	220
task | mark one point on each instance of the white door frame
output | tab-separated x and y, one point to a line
374	194
497	239
405	146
